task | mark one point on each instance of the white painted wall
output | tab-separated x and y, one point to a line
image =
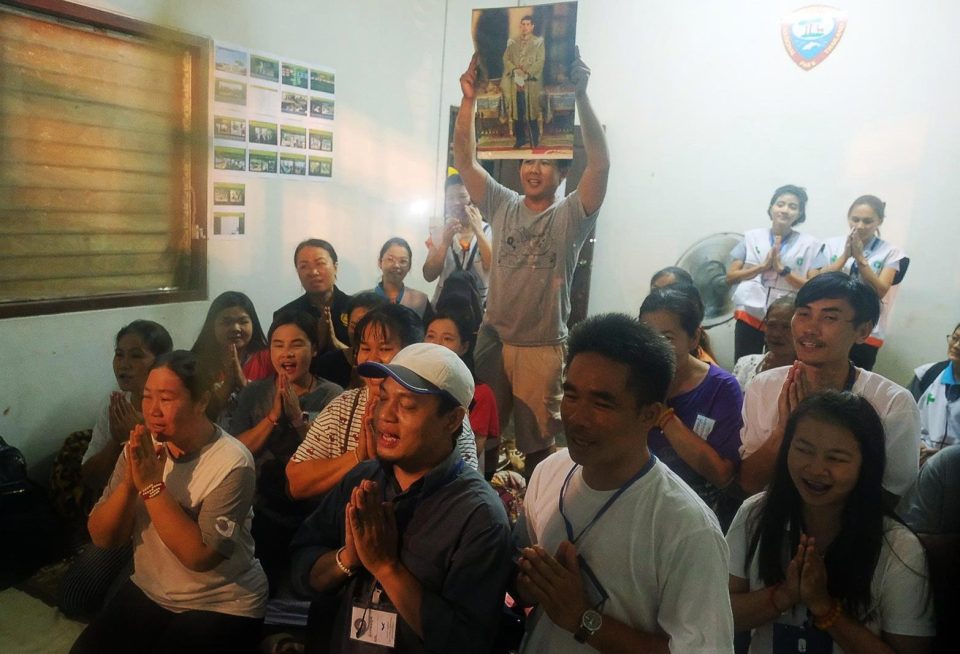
56	370
706	115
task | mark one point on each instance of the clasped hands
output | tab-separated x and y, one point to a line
372	539
554	583
805	582
145	460
123	417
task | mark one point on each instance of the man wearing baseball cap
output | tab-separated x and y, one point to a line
417	541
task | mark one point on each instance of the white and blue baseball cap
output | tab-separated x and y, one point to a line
427	369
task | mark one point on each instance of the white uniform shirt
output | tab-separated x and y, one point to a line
754	295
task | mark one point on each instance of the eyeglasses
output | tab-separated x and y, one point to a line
953	339
390	261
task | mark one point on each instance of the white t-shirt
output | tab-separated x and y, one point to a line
746	368
897	409
900	594
101	429
658	553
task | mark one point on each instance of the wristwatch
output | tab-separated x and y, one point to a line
786	270
590	623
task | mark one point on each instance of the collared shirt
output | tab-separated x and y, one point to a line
455	539
940	411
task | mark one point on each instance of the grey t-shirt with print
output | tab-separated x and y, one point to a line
534	258
214	486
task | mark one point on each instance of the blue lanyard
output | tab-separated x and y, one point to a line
783	241
382	293
603	509
854	270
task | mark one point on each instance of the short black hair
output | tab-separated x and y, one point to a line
305	321
626	340
154	336
394	319
841	286
365	300
185	365
798	191
682	300
315	243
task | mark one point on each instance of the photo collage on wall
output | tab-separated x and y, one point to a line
272	118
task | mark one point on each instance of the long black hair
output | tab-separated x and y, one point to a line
206	348
852	556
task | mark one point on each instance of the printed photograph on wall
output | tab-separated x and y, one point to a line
321	80
232	61
293	137
294	103
230	128
320	140
293	75
321	167
234	159
229	194
263	133
525	100
293	164
231	92
228	223
263	161
263	68
320	108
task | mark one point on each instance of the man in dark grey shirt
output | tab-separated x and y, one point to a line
419	539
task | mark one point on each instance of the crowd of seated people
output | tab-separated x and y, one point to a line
345	456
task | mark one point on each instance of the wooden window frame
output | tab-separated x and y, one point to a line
199	49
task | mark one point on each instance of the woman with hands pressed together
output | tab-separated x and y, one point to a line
232	350
862	253
95	572
137	346
768	263
271	419
817	564
182	491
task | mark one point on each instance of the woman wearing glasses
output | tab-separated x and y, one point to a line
394	262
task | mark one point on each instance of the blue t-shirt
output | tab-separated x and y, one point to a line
712	411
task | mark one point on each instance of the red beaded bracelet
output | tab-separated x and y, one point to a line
665	417
152	490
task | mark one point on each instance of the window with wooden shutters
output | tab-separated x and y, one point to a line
102	160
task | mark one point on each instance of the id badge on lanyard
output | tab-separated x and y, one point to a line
374	621
802	639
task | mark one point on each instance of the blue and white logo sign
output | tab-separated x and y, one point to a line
811	33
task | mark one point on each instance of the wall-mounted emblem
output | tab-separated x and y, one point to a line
811	33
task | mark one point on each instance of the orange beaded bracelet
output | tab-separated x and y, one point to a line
829	618
665	417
